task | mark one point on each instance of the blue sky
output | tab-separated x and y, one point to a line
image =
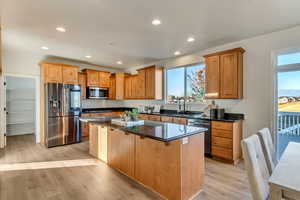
175	80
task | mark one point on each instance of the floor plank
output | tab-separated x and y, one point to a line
95	181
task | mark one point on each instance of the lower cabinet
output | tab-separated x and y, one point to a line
176	120
98	142
226	140
121	150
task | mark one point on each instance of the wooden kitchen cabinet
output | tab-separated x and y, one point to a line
104	79
143	117
92	78
121	151
70	74
52	72
128	85
226	139
141	84
116	87
166	119
178	120
212	76
112	87
163	166
224	74
82	83
154	117
98	144
154	83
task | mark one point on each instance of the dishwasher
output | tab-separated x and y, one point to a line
205	123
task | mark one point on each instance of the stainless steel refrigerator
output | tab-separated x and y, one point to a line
63	107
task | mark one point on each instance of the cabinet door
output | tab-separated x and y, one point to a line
103	133
121	151
212	76
104	79
141	84
92	78
150	83
166	119
70	75
82	83
143	117
134	87
112	88
53	73
120	85
177	120
229	76
128	87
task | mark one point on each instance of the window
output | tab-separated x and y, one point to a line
186	82
287	59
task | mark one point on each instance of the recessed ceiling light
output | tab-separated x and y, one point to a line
177	53
88	56
61	29
44	48
156	22
191	39
119	62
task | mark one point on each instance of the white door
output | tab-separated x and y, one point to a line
2	112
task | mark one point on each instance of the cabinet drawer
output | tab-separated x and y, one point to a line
180	120
154	118
221	133
222	142
222	125
166	119
143	117
221	152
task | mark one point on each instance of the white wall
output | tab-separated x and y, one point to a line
258	75
257	104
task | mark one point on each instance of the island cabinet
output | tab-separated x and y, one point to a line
224	74
226	140
176	120
98	142
174	169
121	151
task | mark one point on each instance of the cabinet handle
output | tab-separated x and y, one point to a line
111	129
126	133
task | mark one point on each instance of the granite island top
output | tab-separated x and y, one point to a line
161	131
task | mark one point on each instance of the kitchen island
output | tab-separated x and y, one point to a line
167	158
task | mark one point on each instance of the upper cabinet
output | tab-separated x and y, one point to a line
82	83
154	83
224	74
92	78
147	84
97	78
116	87
104	79
70	74
59	73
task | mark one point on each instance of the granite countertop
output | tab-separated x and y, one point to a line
161	131
228	117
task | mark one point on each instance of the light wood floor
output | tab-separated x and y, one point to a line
222	181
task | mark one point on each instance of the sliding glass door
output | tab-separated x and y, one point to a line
288	97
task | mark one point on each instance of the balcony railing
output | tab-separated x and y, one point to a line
289	123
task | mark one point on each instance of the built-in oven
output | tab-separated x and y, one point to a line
206	123
97	93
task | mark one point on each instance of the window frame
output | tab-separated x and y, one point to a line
185	83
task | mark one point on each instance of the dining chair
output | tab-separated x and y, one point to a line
268	148
257	170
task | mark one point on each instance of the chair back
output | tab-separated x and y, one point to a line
257	170
268	148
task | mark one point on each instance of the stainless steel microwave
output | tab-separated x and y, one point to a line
97	93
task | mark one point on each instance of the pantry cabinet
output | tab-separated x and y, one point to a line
224	74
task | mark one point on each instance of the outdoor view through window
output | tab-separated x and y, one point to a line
288	100
186	82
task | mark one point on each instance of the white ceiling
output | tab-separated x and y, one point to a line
112	30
